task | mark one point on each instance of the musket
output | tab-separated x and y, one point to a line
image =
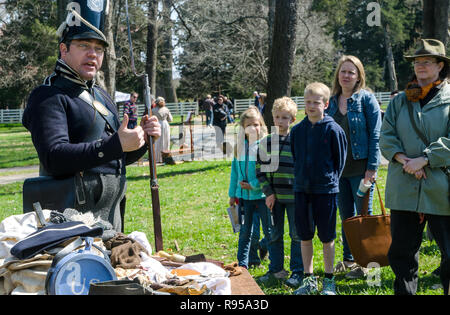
154	187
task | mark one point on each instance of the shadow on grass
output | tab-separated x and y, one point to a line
17	162
176	172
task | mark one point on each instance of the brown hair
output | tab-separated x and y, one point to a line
262	98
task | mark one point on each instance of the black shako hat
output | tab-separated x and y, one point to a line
85	20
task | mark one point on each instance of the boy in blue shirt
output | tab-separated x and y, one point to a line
319	148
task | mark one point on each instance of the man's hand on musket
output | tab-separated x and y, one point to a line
151	127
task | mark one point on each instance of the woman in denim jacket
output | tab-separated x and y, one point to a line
357	111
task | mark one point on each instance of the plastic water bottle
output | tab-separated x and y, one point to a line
363	188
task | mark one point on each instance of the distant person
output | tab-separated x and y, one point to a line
164	117
208	106
220	120
229	106
256	96
319	148
262	102
130	108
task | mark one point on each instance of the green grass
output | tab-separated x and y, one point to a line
194	199
16	148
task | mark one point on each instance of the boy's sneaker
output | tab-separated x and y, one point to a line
329	287
308	286
295	280
357	272
343	266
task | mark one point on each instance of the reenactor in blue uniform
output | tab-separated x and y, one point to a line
74	123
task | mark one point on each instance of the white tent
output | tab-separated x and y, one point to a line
122	97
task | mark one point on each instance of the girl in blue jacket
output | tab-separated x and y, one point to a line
244	186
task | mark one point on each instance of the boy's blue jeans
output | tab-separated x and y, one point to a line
349	205
277	258
245	235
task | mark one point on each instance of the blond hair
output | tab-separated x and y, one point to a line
251	113
317	88
160	101
285	104
360	84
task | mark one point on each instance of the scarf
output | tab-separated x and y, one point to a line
415	92
64	70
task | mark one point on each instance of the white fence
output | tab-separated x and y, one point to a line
15	115
181	109
8	116
240	105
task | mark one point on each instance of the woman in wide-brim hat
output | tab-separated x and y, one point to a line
417	185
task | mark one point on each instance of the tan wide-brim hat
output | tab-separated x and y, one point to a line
430	48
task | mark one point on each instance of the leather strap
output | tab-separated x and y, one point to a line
413	123
365	204
88	98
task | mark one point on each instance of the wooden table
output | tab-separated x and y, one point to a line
244	284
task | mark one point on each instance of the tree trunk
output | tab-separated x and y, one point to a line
393	85
110	61
435	19
271	20
61	11
167	53
152	44
282	55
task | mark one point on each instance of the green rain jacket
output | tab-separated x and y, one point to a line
404	191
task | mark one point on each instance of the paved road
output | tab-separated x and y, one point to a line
32	171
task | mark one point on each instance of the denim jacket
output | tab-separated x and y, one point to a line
364	119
